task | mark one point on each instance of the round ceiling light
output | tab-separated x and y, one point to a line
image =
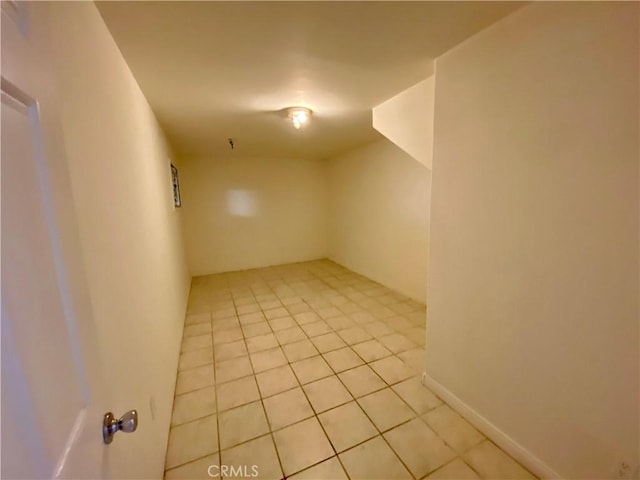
299	116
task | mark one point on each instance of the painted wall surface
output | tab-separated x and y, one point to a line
407	120
378	211
130	233
533	287
242	213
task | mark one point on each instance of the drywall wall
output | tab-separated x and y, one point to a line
119	166
533	286
244	213
407	120
378	216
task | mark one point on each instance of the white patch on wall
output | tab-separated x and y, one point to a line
241	203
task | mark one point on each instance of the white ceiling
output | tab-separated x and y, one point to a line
214	70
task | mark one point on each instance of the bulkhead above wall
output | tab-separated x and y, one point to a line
407	120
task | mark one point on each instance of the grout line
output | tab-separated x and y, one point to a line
264	410
215	393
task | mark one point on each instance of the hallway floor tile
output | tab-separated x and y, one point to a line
311	371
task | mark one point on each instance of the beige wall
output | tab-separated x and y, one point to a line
407	120
533	287
378	211
244	213
129	231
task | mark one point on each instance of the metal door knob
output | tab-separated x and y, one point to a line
110	425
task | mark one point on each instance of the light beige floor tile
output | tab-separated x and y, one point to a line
338	300
193	405
421	450
299	350
241	424
371	350
250	318
361	381
400	307
248	308
417	335
286	408
291	300
276	313
256	458
195	318
414	359
362	317
246	299
328	312
225	324
342	359
354	335
227	335
349	308
454	429
318	301
306	317
327	470
491	462
381	312
272	304
276	380
282	323
416	395
197	329
328	342
385	409
378	328
392	369
297	308
398	322
455	470
290	335
255	329
386	300
237	392
340	323
191	441
268	359
232	369
326	393
261	342
194	379
419	313
373	460
311	369
196	470
223	313
397	342
347	425
316	328
302	445
266	295
197	358
193	309
227	351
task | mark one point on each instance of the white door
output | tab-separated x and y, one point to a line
53	399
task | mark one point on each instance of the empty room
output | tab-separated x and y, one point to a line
320	240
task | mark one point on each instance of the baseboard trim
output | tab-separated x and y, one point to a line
500	438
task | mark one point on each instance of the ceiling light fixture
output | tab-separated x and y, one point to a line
299	116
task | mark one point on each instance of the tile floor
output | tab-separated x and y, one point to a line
310	371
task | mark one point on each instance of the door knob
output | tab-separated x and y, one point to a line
110	425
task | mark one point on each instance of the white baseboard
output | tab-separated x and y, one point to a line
500	438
